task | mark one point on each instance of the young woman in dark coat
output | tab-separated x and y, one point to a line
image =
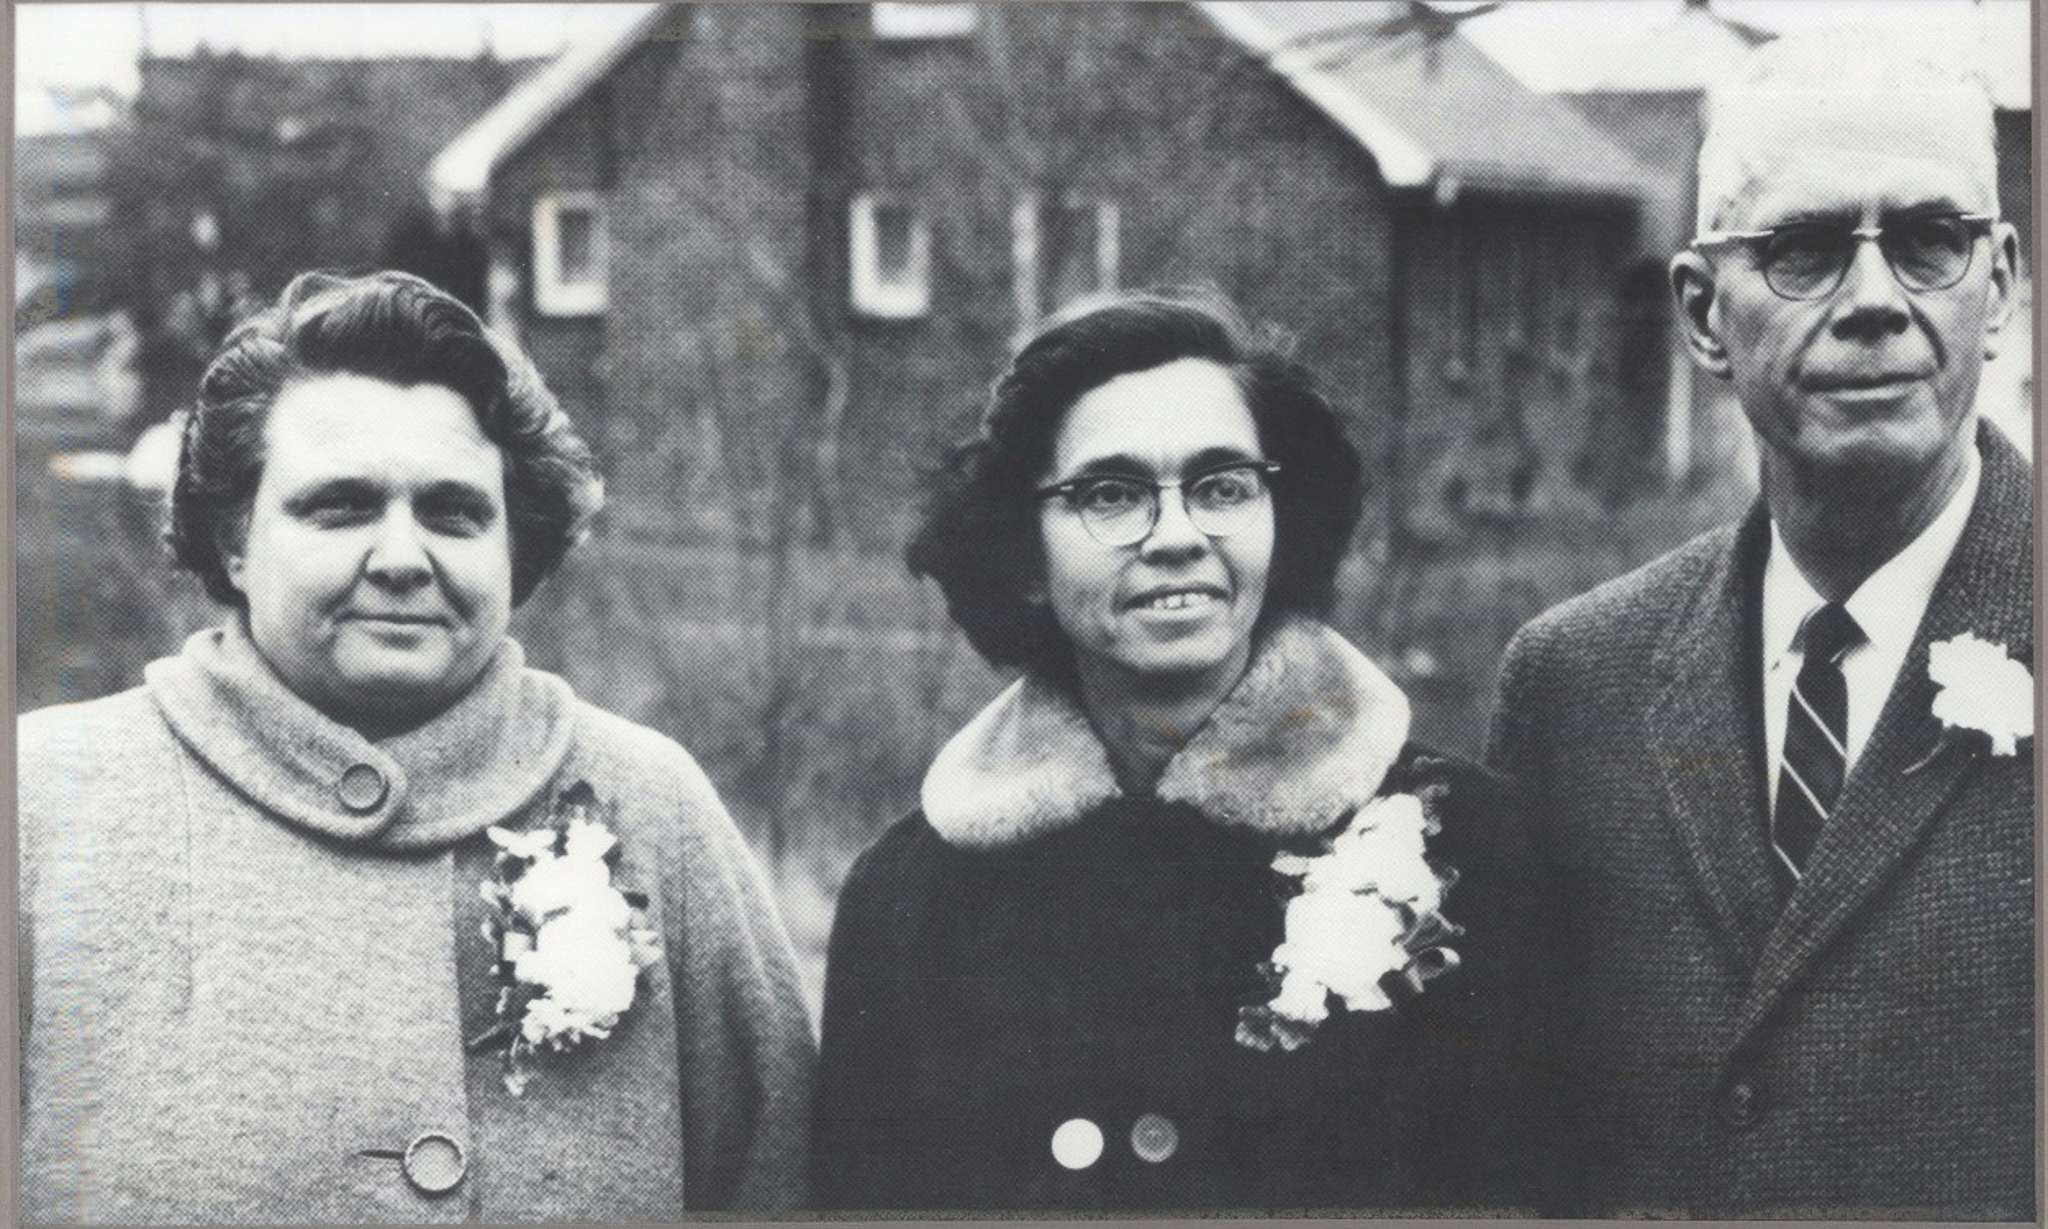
1184	922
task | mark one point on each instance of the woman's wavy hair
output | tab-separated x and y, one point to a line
978	530
403	330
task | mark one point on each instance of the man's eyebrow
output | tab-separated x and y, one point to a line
1805	217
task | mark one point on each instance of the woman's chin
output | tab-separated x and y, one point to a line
1192	657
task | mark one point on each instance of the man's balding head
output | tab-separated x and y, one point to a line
1819	91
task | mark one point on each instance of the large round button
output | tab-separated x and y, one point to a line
1077	1143
435	1163
1742	1104
362	788
1154	1138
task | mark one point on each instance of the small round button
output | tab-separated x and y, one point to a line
1077	1143
1154	1138
1742	1104
362	788
435	1163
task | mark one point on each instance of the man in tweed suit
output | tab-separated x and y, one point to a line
1798	908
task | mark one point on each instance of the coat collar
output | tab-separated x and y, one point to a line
1898	789
1304	738
470	767
1703	734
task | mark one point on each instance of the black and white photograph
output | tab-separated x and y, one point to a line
1137	608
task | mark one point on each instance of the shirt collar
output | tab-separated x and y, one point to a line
1891	601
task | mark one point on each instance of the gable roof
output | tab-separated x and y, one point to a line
462	170
1450	113
1429	113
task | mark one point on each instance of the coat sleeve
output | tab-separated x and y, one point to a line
1516	749
1512	745
748	1054
862	1140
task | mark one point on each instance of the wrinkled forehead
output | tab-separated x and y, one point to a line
1793	151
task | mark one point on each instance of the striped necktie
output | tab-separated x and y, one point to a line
1816	756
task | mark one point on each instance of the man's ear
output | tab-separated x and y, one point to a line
1692	283
2005	260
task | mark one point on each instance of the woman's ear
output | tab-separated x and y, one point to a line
1692	283
231	540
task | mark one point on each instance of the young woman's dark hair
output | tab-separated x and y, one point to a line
400	329
978	535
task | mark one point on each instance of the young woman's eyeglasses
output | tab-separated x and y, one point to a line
1808	260
1118	510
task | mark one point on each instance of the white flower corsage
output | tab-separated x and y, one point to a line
1983	689
570	943
1363	908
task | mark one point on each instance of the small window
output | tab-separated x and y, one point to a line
568	254
1062	253
891	259
501	297
1083	253
908	21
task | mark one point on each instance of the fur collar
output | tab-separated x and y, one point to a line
1304	738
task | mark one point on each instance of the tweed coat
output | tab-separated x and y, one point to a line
1035	947
1866	1048
252	956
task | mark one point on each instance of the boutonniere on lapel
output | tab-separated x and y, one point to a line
1985	696
570	942
1361	920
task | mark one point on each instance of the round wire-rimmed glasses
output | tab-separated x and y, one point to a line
1119	509
1808	260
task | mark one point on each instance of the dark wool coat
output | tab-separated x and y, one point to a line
1870	1046
1038	949
251	956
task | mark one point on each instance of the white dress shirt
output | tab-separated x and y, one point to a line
1888	606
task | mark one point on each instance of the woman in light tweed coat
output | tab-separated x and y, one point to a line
293	945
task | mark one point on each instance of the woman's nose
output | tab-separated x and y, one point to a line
398	555
1174	532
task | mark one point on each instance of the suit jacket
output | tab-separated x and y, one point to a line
1869	1046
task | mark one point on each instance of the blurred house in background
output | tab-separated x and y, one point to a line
63	207
773	255
238	171
74	384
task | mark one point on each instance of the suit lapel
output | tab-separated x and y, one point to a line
1706	744
1895	793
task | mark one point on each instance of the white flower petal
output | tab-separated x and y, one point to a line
1302	998
1984	689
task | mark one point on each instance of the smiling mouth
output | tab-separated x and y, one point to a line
1176	599
407	620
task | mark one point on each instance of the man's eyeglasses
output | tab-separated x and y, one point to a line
1808	260
1117	510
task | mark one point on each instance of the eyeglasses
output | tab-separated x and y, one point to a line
1808	260
1117	510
